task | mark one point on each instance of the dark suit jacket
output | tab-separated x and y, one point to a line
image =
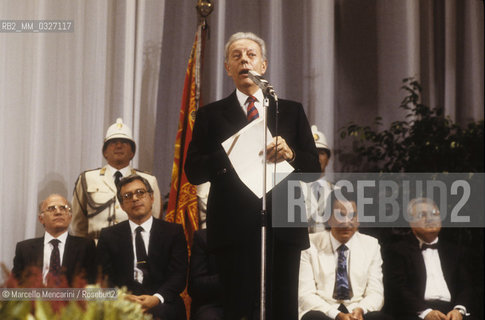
406	275
233	211
204	286
167	259
79	254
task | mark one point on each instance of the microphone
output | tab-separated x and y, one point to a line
262	83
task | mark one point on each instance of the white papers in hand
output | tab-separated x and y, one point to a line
244	149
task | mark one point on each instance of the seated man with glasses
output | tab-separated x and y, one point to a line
145	254
341	272
427	276
59	255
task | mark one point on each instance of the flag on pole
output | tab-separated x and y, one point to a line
182	205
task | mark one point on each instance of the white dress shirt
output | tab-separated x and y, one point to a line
243	101
436	287
48	247
145	235
125	172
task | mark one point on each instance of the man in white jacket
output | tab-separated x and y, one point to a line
94	203
341	272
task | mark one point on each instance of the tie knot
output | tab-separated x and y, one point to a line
316	186
342	248
251	99
118	177
139	229
55	242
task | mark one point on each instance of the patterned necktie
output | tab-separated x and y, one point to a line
54	275
342	287
252	111
55	262
141	254
118	176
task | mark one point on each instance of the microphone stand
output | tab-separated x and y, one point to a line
267	91
264	215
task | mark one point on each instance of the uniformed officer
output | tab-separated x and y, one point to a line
94	203
317	192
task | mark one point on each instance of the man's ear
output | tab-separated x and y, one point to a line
41	219
265	66
226	66
152	197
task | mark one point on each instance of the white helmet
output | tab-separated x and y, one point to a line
320	140
119	130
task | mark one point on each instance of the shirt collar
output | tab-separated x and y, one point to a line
321	181
242	97
147	225
126	171
421	242
48	237
336	243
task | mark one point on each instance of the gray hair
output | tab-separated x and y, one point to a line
245	35
417	201
131	178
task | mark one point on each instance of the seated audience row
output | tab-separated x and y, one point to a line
340	274
145	254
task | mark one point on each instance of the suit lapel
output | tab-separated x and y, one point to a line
153	238
233	113
124	238
356	257
37	252
417	261
156	240
70	253
326	260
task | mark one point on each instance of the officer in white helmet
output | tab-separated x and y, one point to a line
316	193
94	204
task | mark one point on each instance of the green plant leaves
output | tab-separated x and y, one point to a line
426	141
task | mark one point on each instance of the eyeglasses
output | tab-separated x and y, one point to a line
429	214
140	194
52	209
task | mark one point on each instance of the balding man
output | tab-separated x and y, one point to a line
428	278
58	254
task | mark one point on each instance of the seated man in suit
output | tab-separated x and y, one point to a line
204	285
426	278
156	276
341	272
57	253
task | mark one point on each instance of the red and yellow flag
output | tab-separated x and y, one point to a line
182	204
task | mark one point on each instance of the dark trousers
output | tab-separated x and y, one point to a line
174	310
442	306
239	268
318	315
207	312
